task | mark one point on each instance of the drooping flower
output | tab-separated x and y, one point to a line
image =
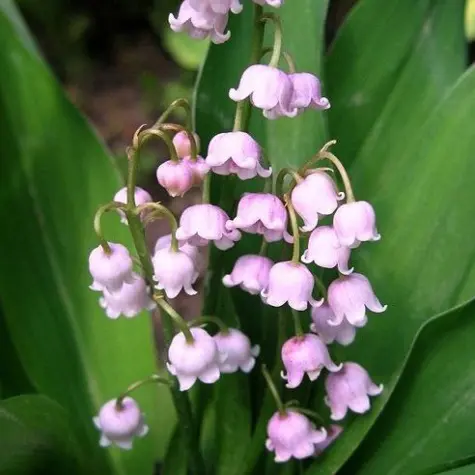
237	348
349	296
119	425
217	6
197	360
292	435
305	354
334	432
272	3
193	252
174	271
344	333
182	144
290	282
110	271
141	197
349	389
325	250
129	301
315	196
354	223
175	177
307	92
250	272
261	213
200	24
199	169
236	153
269	88
202	223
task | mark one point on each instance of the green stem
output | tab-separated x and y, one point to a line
316	157
223	328
146	134
241	107
263	248
176	317
273	390
205	195
297	323
350	197
310	413
295	231
113	205
321	287
179	103
279	181
189	134
288	59
154	378
277	46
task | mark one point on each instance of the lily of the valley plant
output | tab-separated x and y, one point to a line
291	206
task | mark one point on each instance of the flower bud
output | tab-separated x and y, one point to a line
202	223
354	223
290	282
315	196
250	272
261	213
192	361
174	271
344	333
236	153
269	89
292	435
237	348
182	144
110	271
119	425
129	301
140	197
349	389
305	354
175	177
349	296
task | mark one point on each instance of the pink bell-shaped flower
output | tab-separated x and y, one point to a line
349	389
110	271
236	153
175	177
344	333
200	23
334	432
174	271
354	223
197	360
250	272
349	296
290	282
199	169
307	92
164	242
272	3
292	434
237	348
326	251
119	425
261	213
305	354
129	301
316	195
269	88
202	223
182	144
217	6
140	197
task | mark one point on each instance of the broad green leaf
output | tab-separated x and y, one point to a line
291	142
36	437
407	265
467	470
428	419
54	174
364	64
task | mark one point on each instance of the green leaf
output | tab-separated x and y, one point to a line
35	436
428	419
55	173
291	142
364	63
407	265
187	52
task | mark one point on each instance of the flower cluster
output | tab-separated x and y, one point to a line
308	202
